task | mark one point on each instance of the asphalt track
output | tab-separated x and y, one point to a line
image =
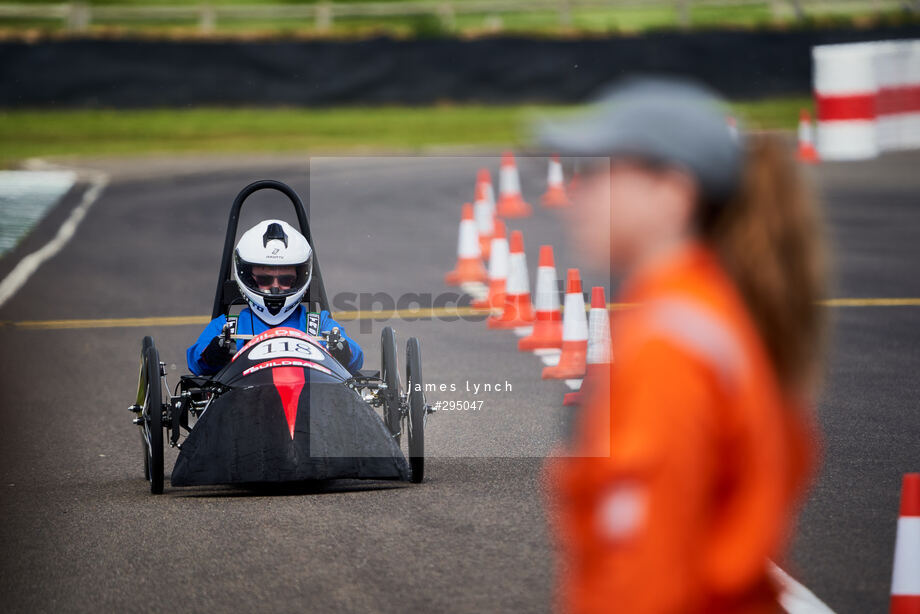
79	531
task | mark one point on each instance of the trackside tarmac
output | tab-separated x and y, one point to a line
81	533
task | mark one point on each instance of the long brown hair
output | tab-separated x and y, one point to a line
771	243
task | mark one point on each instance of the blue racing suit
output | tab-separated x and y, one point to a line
249	324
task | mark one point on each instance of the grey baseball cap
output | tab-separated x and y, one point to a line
666	121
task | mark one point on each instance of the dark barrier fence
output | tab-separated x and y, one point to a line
124	73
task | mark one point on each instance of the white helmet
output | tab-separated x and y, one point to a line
273	265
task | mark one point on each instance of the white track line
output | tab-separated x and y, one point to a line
795	598
29	264
26	196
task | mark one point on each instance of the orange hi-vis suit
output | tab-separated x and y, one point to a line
683	475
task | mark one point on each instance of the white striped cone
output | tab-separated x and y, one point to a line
555	195
599	346
576	177
905	580
499	261
807	151
469	264
547	330
484	213
599	350
572	361
510	202
517	312
484	178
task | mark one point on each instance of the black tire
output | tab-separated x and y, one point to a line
417	411
146	455
153	420
146	343
389	373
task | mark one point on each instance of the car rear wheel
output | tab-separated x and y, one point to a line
389	373
152	417
147	342
417	410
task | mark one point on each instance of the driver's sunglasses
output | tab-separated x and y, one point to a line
285	281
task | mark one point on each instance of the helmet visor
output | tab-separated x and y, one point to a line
274	280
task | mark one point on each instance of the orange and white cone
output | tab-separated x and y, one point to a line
807	151
547	329
498	270
510	202
555	195
484	177
905	580
517	311
469	267
599	351
576	178
572	361
484	212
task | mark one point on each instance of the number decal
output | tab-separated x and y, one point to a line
286	348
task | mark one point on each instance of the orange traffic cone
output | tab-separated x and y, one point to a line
484	212
484	177
547	330
807	151
599	353
905	580
555	195
576	178
510	202
517	312
574	334
498	270
469	265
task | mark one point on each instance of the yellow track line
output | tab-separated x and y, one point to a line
872	302
423	314
110	322
407	314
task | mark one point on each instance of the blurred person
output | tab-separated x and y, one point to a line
683	475
272	266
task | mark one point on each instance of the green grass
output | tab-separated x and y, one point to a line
31	133
772	114
596	20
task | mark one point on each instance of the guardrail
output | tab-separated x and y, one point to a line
79	16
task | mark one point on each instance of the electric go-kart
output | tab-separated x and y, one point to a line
283	410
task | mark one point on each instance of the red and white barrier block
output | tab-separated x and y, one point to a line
868	98
897	65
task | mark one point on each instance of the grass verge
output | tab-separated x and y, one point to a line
621	18
31	133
